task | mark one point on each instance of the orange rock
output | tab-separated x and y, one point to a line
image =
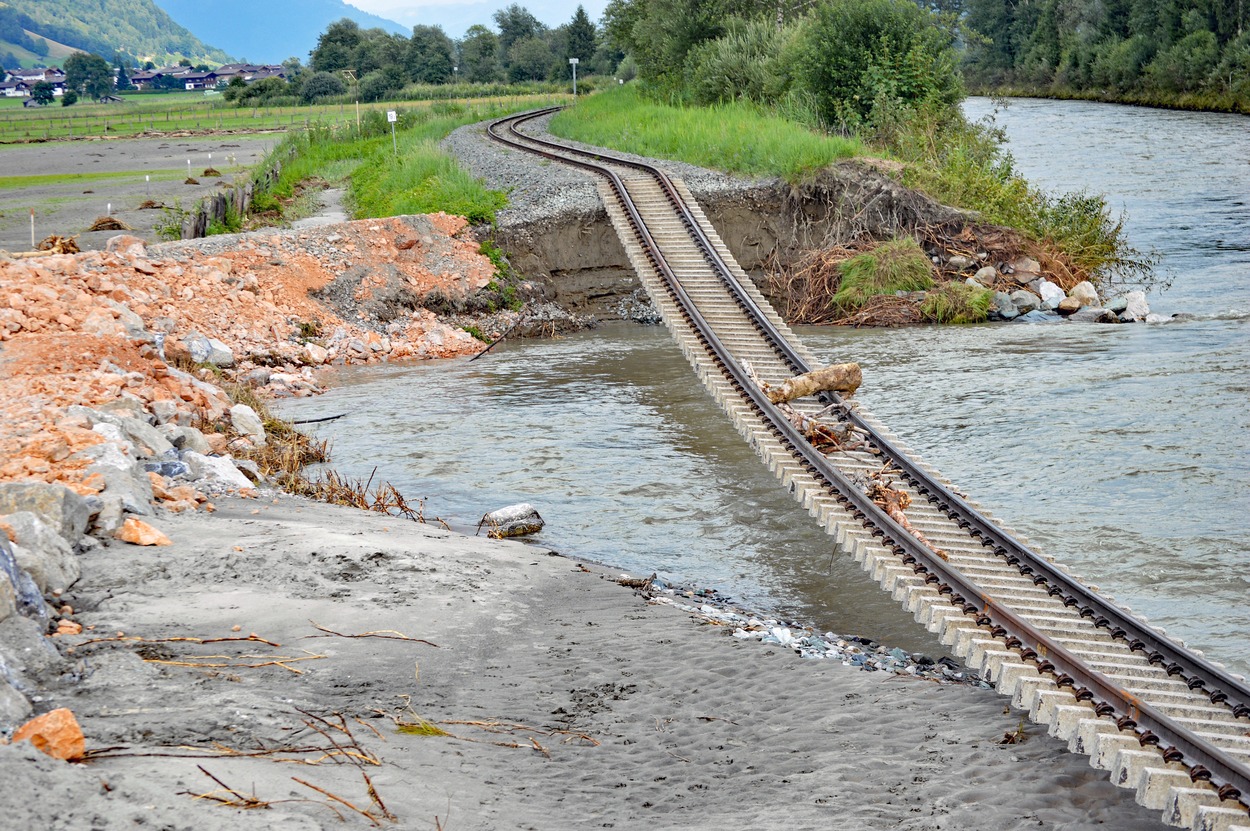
137	532
56	733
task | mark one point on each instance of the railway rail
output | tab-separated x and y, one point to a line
1161	718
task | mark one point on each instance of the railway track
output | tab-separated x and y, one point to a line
1160	718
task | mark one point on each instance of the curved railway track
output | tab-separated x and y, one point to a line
1161	718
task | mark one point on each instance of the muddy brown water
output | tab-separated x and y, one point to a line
1120	449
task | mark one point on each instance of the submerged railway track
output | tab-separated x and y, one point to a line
1161	718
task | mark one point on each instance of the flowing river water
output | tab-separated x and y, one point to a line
1122	450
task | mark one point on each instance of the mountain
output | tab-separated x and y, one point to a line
135	27
270	31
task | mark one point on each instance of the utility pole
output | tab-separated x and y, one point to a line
573	63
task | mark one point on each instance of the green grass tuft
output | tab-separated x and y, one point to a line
897	265
957	302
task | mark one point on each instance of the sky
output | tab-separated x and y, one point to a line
457	15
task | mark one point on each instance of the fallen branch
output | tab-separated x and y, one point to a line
384	634
338	799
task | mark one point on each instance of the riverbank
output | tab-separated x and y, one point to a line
570	702
202	628
1155	99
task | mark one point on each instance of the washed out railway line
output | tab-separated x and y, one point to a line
1161	718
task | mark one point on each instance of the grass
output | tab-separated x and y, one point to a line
16	182
192	111
956	302
737	138
897	265
419	178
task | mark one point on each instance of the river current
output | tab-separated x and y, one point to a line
1122	450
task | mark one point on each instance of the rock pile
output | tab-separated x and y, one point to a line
112	413
1022	292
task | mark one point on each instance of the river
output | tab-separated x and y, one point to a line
1120	449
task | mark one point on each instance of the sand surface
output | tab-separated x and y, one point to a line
607	711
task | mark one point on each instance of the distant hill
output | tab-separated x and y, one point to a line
270	31
135	27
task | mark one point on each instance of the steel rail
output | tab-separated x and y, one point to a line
1205	760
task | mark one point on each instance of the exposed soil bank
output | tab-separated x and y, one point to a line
768	225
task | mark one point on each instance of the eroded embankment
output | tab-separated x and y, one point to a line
767	224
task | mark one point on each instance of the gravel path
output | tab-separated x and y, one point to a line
538	189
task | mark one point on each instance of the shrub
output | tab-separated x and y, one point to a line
897	265
746	62
863	56
322	85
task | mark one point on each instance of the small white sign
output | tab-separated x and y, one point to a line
392	116
573	61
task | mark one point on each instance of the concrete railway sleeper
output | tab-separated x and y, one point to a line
1161	718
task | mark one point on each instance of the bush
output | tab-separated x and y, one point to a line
322	85
69	98
746	62
897	265
863	57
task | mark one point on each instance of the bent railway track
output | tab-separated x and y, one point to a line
1161	718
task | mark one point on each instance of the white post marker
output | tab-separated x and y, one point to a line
147	187
32	229
392	117
573	63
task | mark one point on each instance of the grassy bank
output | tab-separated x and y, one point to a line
737	138
413	175
1159	99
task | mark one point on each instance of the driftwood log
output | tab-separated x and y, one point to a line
843	378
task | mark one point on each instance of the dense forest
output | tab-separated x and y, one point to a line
1150	50
135	28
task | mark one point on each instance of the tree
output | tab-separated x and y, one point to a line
40	47
479	56
322	85
336	46
69	98
43	93
515	24
528	60
581	37
88	75
863	59
123	80
429	55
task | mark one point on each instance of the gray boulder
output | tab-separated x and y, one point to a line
1002	308
187	438
216	470
60	507
1085	292
246	422
1051	294
1136	308
1024	301
43	553
146	439
1039	316
1117	304
1093	314
986	276
19	587
123	478
208	350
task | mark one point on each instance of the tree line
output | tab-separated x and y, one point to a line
1121	46
523	49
